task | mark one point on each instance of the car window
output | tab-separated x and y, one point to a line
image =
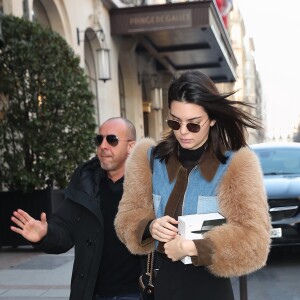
279	161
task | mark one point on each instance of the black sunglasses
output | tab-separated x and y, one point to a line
192	127
111	139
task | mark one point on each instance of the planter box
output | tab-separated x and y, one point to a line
34	203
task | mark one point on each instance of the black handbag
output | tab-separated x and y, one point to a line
146	280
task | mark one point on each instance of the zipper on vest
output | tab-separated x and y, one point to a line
188	179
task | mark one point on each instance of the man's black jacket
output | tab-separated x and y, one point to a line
78	222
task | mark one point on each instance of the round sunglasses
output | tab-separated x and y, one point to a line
192	127
111	139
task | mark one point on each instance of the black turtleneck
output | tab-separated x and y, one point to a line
189	158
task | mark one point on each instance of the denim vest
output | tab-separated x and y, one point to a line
200	196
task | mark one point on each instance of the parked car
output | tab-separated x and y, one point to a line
280	163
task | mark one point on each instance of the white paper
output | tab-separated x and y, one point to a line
192	227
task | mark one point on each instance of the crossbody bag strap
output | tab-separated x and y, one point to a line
150	266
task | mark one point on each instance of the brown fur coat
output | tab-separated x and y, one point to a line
239	247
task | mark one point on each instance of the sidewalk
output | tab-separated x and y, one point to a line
28	274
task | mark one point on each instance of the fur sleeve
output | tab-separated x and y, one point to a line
242	244
136	206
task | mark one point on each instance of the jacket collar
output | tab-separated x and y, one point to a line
207	166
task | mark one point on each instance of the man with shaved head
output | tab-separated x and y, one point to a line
103	267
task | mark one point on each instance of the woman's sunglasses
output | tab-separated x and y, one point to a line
111	139
192	127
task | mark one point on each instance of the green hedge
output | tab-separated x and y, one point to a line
48	122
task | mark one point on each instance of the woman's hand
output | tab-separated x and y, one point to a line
179	247
163	229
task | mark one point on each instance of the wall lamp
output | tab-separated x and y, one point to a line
103	55
103	64
156	98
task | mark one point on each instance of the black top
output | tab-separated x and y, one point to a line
189	158
119	270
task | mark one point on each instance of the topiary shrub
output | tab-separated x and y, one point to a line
47	117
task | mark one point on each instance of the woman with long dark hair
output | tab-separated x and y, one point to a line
202	166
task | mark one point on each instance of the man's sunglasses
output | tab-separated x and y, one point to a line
111	139
192	127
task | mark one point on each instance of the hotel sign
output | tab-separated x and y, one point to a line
160	20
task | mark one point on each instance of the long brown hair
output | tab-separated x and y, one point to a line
229	131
